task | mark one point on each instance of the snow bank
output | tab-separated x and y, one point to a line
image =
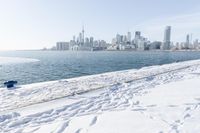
156	99
15	60
47	91
169	108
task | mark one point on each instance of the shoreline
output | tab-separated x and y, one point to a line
149	95
183	50
74	86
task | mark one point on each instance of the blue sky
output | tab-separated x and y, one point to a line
33	24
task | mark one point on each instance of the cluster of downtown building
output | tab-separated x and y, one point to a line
82	43
126	42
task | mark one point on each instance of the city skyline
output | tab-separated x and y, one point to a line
124	42
37	24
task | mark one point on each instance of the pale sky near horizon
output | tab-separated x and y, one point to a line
34	24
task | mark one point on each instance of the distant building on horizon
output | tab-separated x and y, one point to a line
154	45
137	39
129	37
167	38
83	43
126	42
187	43
137	34
62	46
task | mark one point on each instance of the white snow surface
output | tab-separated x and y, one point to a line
16	60
156	99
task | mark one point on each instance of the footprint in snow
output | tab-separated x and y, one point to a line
78	131
62	128
188	108
187	116
94	120
136	103
153	105
172	106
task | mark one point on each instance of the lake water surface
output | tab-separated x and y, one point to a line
54	65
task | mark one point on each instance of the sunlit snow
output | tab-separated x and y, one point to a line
155	99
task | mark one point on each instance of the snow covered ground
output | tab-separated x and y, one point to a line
14	60
157	99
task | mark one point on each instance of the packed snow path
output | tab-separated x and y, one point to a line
131	99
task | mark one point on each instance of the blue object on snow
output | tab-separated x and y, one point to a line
10	84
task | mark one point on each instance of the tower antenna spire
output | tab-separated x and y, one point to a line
83	32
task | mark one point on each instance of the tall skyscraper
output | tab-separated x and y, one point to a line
118	38
80	38
129	36
167	37
121	38
137	38
187	41
137	34
188	38
87	41
91	41
125	39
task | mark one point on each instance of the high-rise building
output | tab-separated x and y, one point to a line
137	34
74	38
187	43
87	42
124	39
62	46
167	37
129	37
118	38
141	44
91	40
196	44
188	38
137	38
80	37
121	38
